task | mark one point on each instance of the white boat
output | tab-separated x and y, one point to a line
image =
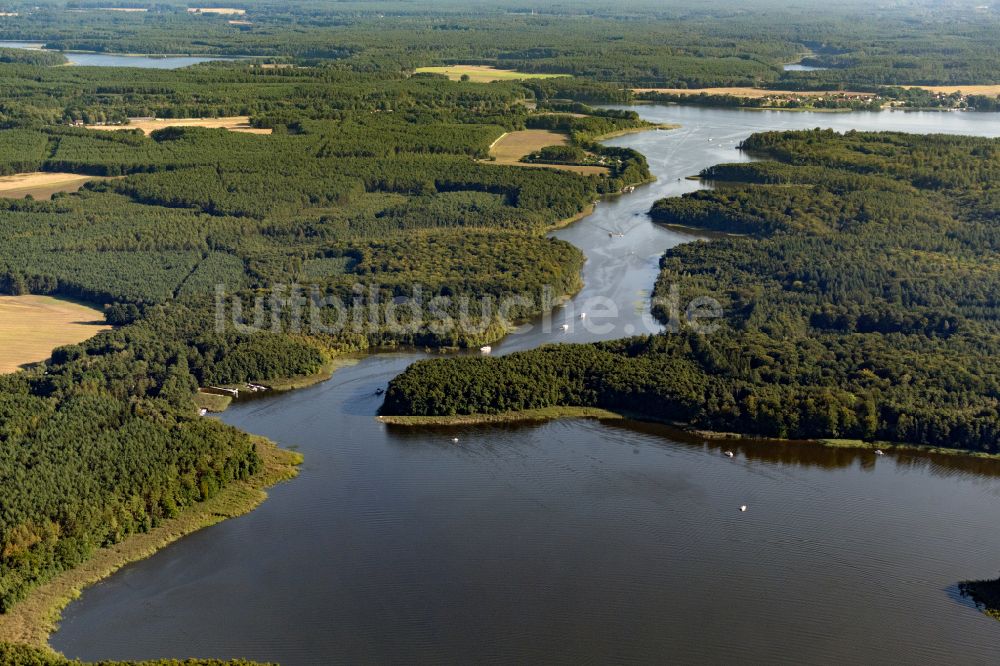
202	412
583	315
564	328
486	349
729	454
743	507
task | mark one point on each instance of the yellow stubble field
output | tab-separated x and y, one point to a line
512	146
32	326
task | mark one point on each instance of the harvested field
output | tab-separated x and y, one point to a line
512	146
40	184
967	90
482	73
225	11
231	123
32	326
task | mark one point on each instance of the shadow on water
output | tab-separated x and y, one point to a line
799	453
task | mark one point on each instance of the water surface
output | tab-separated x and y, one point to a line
119	59
799	67
576	540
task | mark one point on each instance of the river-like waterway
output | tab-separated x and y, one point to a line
574	541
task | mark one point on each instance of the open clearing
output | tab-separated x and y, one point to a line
512	146
40	184
967	90
750	92
482	73
32	326
231	123
225	11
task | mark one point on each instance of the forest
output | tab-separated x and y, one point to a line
376	186
640	43
371	183
859	299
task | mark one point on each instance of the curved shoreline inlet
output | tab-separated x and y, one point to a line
574	539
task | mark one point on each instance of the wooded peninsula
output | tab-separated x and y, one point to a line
858	300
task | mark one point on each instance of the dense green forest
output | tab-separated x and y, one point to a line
376	188
859	300
373	188
640	43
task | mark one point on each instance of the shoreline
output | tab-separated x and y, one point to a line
33	619
566	221
524	416
636	130
216	404
570	412
749	92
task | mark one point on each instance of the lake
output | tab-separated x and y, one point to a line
799	67
575	540
119	59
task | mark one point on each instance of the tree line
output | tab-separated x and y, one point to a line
859	302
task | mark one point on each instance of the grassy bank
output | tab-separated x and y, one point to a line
32	620
683	430
305	381
542	414
212	402
220	403
565	222
636	130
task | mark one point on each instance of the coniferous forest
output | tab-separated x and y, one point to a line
366	179
857	272
641	43
859	299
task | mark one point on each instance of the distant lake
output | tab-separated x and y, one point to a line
799	67
118	59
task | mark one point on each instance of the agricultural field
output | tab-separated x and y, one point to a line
512	146
32	326
967	89
40	184
482	73
231	123
223	11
